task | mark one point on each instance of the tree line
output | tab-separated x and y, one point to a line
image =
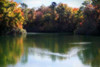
54	18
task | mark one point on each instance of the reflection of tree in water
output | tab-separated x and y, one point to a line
11	49
53	43
91	54
58	46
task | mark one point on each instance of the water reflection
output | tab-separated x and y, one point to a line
49	50
11	49
91	55
55	46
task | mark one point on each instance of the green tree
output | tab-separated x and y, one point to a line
96	2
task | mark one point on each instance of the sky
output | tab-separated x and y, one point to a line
38	3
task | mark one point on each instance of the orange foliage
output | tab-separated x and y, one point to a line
19	25
22	13
75	9
17	10
16	4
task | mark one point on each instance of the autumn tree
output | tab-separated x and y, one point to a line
11	17
52	6
25	10
90	24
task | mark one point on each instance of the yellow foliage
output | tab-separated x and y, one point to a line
82	17
11	13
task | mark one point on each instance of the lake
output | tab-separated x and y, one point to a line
49	50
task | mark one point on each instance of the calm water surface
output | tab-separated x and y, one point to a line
49	50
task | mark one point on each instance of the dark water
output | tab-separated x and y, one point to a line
49	50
